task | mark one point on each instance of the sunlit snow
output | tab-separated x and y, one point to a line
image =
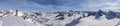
69	18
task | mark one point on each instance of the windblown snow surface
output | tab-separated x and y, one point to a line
67	18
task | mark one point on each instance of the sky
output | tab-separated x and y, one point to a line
61	5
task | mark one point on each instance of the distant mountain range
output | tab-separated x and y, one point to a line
66	18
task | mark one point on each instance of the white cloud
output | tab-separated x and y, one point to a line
66	5
105	5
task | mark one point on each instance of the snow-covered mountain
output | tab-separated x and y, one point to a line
66	18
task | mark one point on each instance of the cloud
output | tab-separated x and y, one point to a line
47	5
105	5
61	5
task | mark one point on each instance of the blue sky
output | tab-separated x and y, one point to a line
60	5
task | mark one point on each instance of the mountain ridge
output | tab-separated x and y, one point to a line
67	18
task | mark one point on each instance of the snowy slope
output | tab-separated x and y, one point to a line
15	21
68	18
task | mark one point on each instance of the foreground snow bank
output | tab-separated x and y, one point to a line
15	21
